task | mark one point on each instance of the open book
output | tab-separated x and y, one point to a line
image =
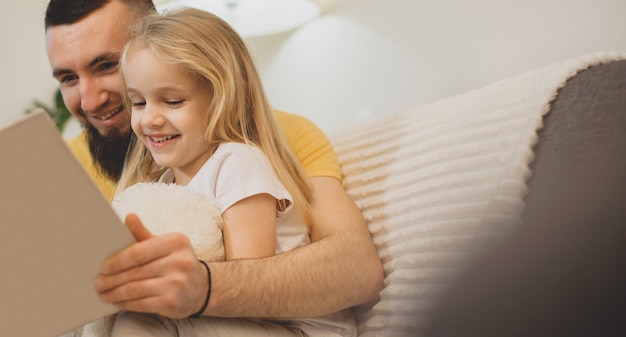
56	229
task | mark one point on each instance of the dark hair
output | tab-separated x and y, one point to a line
62	12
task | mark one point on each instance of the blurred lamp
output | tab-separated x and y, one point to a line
253	18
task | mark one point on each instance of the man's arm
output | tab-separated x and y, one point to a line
340	269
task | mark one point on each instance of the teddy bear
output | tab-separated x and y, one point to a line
165	208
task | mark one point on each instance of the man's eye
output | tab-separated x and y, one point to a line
109	65
68	79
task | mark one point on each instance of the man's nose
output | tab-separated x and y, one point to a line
92	94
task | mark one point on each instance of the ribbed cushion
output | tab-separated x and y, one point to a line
440	183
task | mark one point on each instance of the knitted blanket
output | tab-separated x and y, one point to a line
440	183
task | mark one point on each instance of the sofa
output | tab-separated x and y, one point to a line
478	204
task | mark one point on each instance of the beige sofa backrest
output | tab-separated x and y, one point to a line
440	183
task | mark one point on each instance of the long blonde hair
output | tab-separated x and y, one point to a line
239	111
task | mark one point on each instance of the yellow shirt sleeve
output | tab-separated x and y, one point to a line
310	145
80	149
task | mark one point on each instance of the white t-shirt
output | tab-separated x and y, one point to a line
237	171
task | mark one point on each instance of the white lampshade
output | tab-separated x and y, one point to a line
251	18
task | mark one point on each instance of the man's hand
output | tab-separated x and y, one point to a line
157	274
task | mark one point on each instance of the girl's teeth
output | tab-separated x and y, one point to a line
161	139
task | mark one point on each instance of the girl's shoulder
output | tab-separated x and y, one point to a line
238	150
230	148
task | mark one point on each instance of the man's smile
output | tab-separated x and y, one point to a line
110	114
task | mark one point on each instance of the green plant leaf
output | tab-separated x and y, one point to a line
59	113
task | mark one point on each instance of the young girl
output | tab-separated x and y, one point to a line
202	120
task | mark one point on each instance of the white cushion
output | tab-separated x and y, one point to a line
437	184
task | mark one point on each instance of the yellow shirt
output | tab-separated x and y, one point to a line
80	149
310	145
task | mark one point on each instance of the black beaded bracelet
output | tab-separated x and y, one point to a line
208	291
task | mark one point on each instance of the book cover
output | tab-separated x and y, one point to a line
56	229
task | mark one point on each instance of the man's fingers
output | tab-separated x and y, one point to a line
136	227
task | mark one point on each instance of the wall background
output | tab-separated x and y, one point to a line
367	57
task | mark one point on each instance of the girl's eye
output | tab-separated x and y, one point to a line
175	102
138	104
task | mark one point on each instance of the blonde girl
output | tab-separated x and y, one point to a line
202	120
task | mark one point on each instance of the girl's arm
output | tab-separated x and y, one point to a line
249	227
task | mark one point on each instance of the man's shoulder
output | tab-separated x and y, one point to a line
310	145
297	127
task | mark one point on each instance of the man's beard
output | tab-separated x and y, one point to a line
109	152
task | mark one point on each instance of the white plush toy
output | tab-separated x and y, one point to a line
165	208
